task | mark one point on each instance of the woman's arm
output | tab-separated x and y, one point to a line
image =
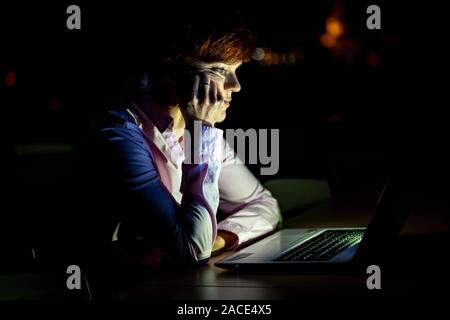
184	232
250	210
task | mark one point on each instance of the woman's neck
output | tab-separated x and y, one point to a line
178	120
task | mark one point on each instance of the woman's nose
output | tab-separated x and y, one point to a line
232	83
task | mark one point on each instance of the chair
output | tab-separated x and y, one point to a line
298	194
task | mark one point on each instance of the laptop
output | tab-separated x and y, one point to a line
328	249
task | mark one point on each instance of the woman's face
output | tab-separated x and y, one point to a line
224	76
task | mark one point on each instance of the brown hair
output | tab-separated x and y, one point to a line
214	37
196	35
218	46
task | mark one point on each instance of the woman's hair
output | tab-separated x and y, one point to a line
213	35
217	44
199	35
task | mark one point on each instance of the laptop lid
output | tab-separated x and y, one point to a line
387	220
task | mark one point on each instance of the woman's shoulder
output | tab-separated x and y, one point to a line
114	119
115	123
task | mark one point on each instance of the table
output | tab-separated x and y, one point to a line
406	277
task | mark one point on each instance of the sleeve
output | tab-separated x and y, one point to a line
186	231
250	210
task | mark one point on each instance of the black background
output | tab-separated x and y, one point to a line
340	119
385	116
385	111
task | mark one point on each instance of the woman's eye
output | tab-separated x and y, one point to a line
220	71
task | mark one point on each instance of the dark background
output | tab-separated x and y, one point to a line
348	113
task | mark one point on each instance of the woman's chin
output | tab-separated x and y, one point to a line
222	116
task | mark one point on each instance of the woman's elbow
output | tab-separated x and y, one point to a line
194	250
276	216
191	257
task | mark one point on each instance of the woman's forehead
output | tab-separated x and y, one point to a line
204	64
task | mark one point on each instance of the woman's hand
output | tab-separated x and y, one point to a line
218	246
206	101
224	241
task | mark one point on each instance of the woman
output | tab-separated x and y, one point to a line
165	192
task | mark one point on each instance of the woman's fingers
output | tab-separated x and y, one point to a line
212	93
195	87
220	96
206	98
204	90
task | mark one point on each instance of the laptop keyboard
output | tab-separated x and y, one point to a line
323	246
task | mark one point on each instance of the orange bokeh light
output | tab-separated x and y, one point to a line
334	27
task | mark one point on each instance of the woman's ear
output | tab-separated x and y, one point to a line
169	70
174	84
177	71
144	82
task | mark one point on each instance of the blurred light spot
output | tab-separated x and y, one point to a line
328	40
334	27
55	104
275	58
298	56
335	117
373	59
267	57
259	54
267	60
10	79
290	58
